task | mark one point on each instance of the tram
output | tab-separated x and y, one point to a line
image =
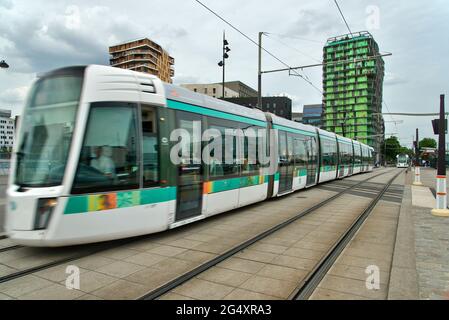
93	158
402	161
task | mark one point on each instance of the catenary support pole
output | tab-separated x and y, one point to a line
259	74
441	198
417	181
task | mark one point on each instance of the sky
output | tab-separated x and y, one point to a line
38	36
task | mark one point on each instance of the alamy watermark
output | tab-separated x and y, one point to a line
215	147
73	279
373	280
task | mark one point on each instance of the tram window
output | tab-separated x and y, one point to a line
299	150
109	156
329	152
150	150
221	167
251	150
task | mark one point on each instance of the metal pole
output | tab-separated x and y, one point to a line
441	198
224	62
417	181
259	74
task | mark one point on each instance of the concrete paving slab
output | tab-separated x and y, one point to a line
269	286
242	265
145	259
91	281
422	197
282	273
202	289
325	294
21	286
168	251
120	269
240	294
174	296
53	292
224	276
121	290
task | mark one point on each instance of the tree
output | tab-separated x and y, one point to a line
427	143
392	148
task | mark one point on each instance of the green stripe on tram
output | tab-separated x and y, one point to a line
236	183
328	168
172	104
117	200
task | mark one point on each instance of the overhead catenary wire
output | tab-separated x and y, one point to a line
293	48
254	42
343	16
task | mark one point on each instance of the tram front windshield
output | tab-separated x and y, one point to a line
47	129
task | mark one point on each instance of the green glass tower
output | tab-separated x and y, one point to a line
353	74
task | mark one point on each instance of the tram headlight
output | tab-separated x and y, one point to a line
44	210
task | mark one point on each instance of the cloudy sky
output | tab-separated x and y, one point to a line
37	36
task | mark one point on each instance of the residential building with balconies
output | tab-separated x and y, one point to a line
143	55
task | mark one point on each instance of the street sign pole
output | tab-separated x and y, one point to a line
441	198
417	165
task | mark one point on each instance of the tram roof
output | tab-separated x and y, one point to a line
177	93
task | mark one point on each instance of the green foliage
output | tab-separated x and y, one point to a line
427	143
393	147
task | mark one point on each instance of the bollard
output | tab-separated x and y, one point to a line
441	198
417	181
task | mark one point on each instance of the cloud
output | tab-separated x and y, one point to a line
6	4
312	22
392	79
15	95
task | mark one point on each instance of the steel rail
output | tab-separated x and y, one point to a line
10	248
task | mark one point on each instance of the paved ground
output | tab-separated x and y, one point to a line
432	246
373	245
129	271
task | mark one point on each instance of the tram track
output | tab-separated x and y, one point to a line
14	247
309	284
178	281
98	248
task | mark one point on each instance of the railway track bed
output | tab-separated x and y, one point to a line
132	270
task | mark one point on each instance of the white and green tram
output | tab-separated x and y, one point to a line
92	159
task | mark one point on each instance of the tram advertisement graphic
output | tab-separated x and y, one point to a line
226	146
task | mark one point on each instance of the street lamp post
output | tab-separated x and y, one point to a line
222	63
3	64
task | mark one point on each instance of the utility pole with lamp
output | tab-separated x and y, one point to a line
222	63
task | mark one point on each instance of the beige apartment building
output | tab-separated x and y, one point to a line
233	89
143	55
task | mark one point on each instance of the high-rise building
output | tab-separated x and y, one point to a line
312	114
143	55
7	131
353	75
233	89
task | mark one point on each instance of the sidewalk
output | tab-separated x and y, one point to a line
420	268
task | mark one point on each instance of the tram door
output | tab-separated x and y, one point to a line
286	163
190	170
312	160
